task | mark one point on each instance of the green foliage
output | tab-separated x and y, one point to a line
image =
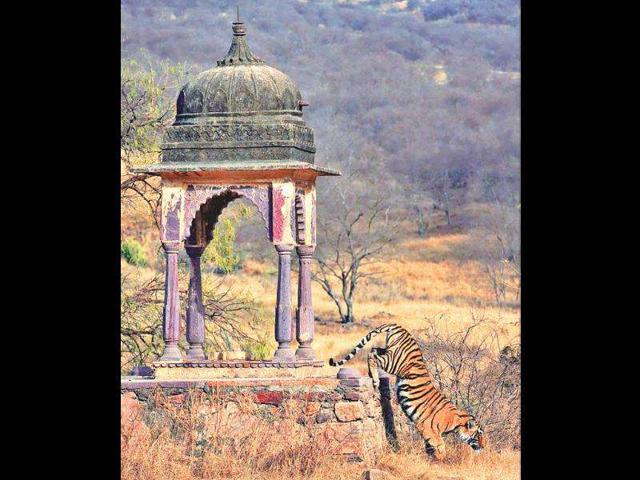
259	349
131	250
226	340
244	211
147	103
220	252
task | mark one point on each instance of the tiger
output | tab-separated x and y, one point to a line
429	410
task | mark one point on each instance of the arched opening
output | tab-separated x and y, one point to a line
180	103
234	255
233	226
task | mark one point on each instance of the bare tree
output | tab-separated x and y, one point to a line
225	310
440	186
440	189
416	200
501	254
141	312
355	230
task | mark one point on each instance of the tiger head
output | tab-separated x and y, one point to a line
472	433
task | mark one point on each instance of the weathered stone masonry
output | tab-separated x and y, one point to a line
345	415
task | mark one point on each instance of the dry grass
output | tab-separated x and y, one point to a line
169	441
411	462
461	463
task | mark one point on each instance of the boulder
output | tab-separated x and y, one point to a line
349	411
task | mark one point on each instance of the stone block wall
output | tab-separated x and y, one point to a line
344	416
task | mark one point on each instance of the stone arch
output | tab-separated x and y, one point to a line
218	102
212	210
195	101
180	103
210	201
244	100
288	101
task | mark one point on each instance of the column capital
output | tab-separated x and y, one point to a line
305	250
284	248
194	250
171	246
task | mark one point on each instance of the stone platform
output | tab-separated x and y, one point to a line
214	369
343	416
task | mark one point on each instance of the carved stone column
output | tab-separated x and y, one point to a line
283	306
195	309
171	316
304	314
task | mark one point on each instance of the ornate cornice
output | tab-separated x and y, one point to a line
234	135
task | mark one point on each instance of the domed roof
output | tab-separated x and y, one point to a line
241	82
240	114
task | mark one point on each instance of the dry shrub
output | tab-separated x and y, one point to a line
478	374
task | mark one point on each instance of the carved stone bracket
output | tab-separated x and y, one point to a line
299	216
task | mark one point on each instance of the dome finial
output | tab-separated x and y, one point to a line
238	26
239	52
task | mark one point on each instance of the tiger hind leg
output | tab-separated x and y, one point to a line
376	359
372	363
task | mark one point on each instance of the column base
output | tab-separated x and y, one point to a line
171	354
195	353
305	352
284	354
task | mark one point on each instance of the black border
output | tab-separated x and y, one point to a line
80	216
70	236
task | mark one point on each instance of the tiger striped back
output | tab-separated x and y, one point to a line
431	412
